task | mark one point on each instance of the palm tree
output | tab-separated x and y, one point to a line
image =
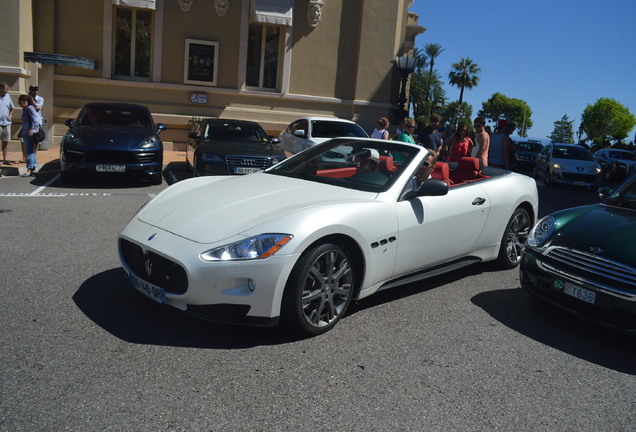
432	50
464	75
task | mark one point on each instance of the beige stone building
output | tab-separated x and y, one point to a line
269	61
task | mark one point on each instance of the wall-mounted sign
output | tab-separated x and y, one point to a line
201	58
199	98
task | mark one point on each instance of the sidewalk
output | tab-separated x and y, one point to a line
53	154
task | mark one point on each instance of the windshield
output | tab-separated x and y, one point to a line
624	196
362	164
335	129
572	152
623	155
234	132
529	147
102	116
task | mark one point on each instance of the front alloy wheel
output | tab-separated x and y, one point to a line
319	289
514	238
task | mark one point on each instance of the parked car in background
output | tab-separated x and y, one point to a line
617	164
525	152
569	164
583	259
226	146
308	131
297	244
112	138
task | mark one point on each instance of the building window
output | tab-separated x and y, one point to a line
133	43
201	60
263	50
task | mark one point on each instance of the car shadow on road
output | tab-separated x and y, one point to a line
112	303
518	310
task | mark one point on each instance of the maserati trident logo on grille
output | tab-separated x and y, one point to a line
596	250
152	236
148	266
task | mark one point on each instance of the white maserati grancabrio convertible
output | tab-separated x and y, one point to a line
337	222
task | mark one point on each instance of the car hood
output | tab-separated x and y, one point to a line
611	229
127	137
240	148
211	209
576	166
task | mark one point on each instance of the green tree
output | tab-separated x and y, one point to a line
423	86
607	120
514	110
450	111
465	74
563	131
432	50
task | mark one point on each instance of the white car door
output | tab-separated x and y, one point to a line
433	230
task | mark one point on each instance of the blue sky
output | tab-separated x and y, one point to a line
558	56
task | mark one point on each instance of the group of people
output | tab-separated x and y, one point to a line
31	104
491	148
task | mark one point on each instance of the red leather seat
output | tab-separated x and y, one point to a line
467	169
386	165
442	172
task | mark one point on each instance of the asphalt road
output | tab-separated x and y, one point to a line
82	351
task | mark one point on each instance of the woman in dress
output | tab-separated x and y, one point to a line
461	144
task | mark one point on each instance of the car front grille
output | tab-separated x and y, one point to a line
164	273
246	162
603	274
586	178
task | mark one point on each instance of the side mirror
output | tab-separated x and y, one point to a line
275	140
193	135
431	187
300	133
604	192
161	127
68	122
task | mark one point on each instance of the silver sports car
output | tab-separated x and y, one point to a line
335	223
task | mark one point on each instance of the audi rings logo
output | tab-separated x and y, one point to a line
248	162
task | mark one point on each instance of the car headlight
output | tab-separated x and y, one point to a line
258	247
598	169
149	142
72	139
542	231
209	157
556	166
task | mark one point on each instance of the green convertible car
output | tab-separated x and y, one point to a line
583	259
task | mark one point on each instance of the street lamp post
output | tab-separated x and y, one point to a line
581	128
405	66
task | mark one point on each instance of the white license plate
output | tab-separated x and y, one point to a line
148	289
245	170
579	293
110	168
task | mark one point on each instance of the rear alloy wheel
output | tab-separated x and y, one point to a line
514	237
319	289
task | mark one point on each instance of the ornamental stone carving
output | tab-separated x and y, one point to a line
314	12
222	6
185	4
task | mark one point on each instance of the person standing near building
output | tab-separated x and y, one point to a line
483	140
31	124
6	115
381	132
429	137
407	132
38	102
499	150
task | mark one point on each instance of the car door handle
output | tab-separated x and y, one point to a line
479	201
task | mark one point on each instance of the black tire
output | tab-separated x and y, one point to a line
156	179
514	237
319	289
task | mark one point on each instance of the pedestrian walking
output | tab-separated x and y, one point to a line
6	118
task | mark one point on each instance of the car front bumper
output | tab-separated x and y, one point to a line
247	292
616	312
142	164
576	179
